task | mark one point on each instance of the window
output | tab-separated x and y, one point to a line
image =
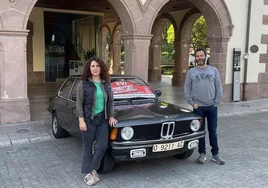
66	88
124	88
73	93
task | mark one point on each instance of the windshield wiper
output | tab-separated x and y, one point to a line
121	101
142	98
137	100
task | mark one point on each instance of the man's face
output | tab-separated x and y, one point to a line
200	58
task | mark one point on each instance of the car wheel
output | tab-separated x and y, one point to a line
107	164
185	154
57	130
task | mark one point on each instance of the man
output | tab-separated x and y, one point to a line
203	91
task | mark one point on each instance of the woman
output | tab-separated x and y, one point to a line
95	110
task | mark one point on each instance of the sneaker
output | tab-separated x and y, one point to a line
89	179
218	160
202	158
95	176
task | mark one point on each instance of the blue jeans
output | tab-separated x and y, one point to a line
211	114
97	129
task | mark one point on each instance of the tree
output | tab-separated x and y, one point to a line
170	34
199	34
167	56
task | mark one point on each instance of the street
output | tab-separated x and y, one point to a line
56	163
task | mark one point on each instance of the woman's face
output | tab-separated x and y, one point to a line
95	68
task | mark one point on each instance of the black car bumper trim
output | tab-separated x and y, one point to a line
149	143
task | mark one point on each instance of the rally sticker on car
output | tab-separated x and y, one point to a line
124	89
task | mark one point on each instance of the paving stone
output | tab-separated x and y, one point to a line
243	144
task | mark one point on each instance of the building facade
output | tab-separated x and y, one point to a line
26	40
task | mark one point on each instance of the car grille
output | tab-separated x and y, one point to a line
153	131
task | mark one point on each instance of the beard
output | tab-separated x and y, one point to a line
201	62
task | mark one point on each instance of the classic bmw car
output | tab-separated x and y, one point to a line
148	128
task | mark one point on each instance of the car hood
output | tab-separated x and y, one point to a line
151	113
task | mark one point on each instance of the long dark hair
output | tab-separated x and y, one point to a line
103	73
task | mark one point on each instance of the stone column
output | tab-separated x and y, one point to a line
155	62
218	55
103	47
14	102
111	59
137	55
181	62
177	67
117	58
218	58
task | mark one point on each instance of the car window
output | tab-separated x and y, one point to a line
126	88
73	92
66	88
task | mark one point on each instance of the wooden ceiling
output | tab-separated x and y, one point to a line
103	6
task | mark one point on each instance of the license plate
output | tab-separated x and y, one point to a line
168	146
137	153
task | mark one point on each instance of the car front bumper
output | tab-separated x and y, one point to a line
123	151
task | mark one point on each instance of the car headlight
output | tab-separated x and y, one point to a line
195	125
127	133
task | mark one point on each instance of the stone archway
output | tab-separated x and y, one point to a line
219	29
14	15
117	38
155	51
182	44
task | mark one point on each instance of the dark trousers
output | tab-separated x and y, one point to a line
97	129
211	114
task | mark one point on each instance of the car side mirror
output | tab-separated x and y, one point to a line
158	92
74	97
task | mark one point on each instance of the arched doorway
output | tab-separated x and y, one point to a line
14	99
106	43
156	45
117	48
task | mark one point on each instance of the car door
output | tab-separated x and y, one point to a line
72	115
64	102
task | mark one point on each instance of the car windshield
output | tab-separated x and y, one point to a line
131	88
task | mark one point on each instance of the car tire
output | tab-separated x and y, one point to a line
107	164
57	130
185	154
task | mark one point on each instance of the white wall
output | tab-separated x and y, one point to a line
37	18
238	10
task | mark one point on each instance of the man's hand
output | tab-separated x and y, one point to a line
82	124
196	106
112	122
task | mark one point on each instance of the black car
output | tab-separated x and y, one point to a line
148	128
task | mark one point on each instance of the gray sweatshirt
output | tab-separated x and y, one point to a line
203	86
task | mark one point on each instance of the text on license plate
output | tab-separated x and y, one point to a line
168	146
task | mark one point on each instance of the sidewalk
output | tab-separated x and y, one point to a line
37	131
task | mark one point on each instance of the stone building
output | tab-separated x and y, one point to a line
44	40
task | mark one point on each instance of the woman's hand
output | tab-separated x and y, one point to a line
82	125
112	122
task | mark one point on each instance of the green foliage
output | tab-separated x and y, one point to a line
89	53
167	69
167	56
170	34
199	34
122	56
